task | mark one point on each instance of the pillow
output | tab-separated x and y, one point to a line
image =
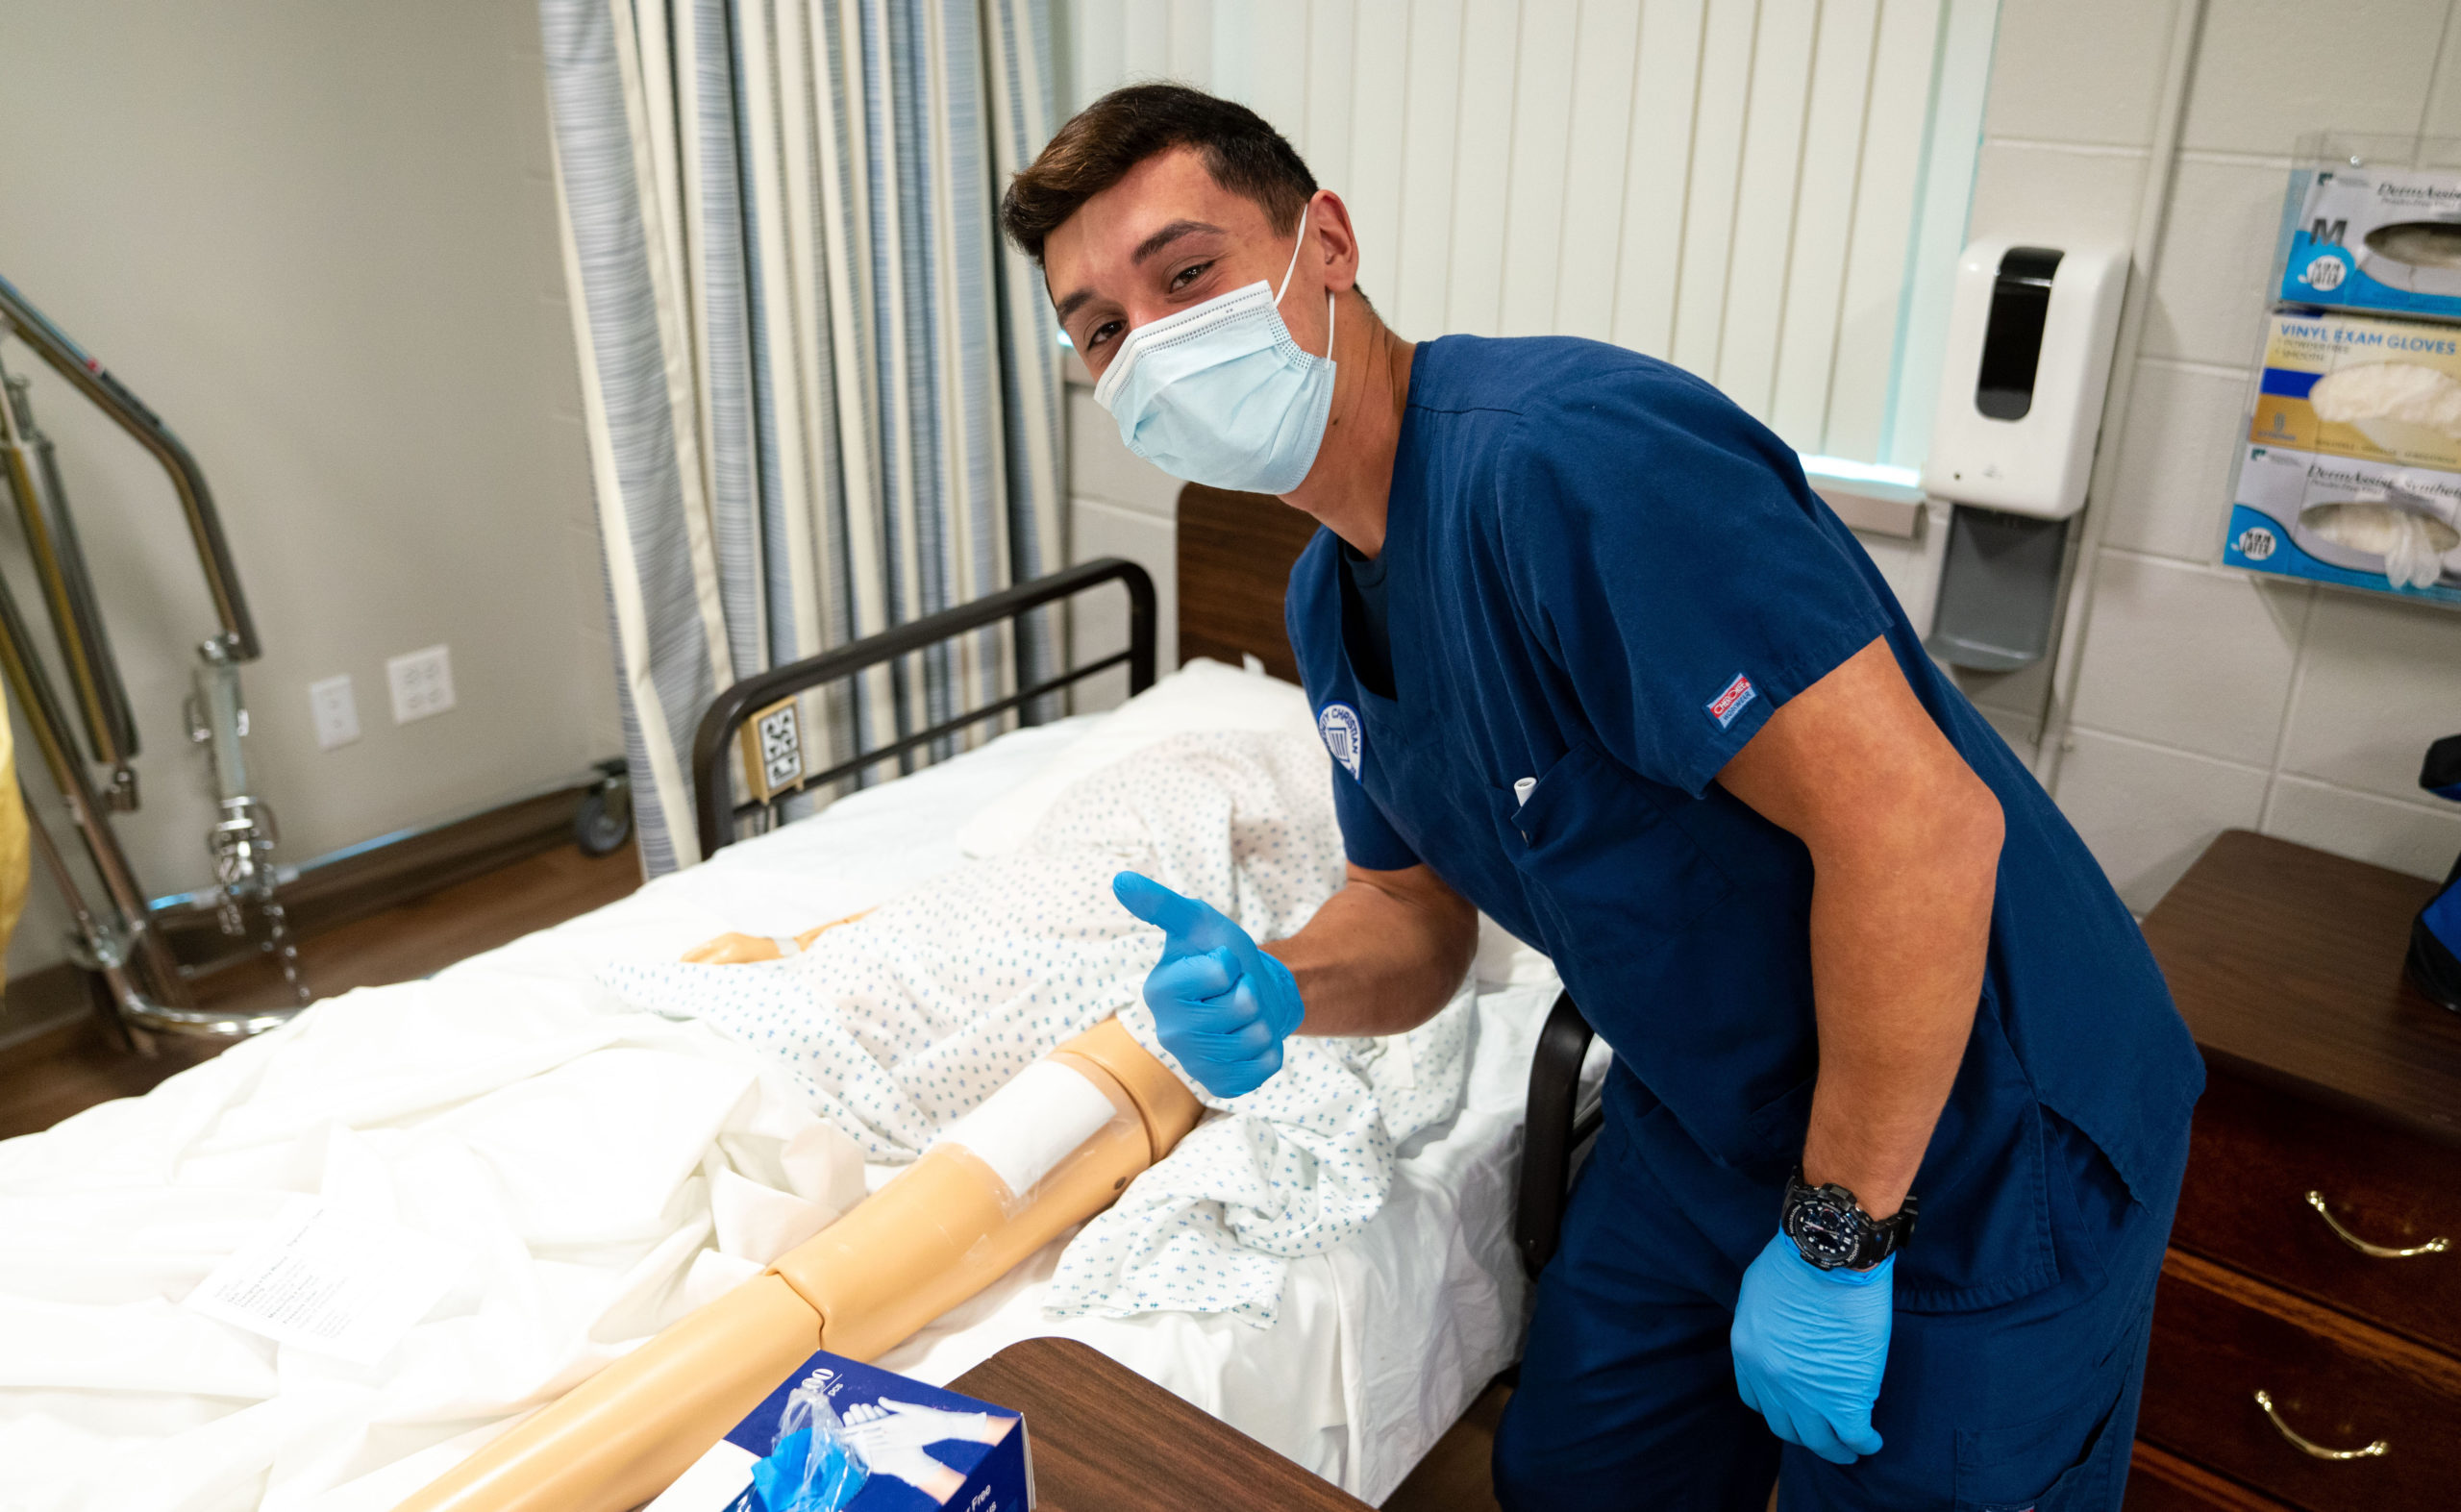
1204	695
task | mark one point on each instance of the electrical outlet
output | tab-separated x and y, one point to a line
335	708
422	684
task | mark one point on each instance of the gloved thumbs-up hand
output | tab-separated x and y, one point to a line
1220	1005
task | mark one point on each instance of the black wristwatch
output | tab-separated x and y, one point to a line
1831	1230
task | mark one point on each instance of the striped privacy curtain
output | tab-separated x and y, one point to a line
822	395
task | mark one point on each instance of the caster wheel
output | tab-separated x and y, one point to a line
605	820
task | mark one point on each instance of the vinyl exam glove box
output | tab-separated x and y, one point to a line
927	1447
2349	470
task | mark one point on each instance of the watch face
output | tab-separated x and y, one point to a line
1826	1233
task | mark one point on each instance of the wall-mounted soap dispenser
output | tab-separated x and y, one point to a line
2030	330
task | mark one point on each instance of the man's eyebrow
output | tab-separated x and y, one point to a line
1167	236
1144	249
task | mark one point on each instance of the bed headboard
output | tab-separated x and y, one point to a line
1234	557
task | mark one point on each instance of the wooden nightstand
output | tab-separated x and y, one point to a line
2328	1142
1105	1439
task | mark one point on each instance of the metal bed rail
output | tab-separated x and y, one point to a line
714	743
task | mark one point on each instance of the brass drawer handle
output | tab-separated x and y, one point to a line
2376	1251
2375	1451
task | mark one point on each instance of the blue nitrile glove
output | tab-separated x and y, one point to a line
1220	1005
800	1477
1809	1346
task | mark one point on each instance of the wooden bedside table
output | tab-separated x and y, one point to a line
1105	1439
2328	1143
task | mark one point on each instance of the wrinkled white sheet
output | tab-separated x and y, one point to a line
1380	1342
908	1018
604	1173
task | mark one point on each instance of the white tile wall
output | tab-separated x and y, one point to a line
2209	698
1911	566
2408	837
1120	506
2170	494
2190	657
2217	250
2269	70
2059	193
1104	468
1098	621
2078	70
2443	116
2148	812
2381	680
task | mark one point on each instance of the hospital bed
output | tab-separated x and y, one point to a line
1380	1342
1235	551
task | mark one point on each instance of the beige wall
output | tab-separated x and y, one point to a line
2208	700
320	240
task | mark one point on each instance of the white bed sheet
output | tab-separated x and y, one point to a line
1383	1343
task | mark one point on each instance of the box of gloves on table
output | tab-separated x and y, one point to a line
838	1433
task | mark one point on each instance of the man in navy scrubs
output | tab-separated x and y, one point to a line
1592	657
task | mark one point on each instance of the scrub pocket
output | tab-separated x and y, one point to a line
2076	1473
1611	876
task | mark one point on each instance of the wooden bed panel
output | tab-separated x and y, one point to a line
1235	551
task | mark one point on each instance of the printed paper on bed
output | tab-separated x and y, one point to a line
317	1280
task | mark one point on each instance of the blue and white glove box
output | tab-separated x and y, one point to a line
2375	237
838	1433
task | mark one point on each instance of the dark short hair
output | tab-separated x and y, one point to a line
1103	141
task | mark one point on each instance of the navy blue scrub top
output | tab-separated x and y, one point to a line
1602	575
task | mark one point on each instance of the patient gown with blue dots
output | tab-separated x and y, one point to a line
897	1024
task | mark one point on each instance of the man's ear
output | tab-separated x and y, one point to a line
1336	249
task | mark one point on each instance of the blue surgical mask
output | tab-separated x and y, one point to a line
1220	394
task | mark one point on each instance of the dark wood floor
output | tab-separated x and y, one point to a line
1453	1476
81	1063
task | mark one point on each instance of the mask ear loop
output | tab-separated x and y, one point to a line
1294	256
1294	268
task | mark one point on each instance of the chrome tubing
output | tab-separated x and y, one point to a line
114	945
107	957
68	589
120	943
33	327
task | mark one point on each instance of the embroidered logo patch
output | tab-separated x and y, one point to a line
1343	736
1725	706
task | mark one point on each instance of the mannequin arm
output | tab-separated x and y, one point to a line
731	949
948	1226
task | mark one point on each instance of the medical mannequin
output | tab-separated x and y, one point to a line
949	1226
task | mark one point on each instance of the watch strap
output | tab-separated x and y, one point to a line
1830	1229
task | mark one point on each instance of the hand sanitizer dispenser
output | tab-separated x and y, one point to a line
2030	330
